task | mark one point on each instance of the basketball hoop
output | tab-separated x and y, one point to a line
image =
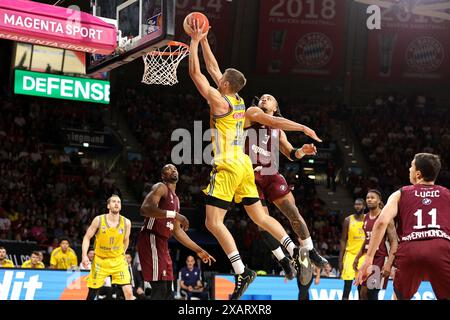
161	65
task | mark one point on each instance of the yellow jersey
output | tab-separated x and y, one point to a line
228	129
355	236
6	264
27	264
64	261
109	239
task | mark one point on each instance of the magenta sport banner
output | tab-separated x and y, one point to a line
410	46
53	26
301	37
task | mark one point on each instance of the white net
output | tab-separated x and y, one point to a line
161	65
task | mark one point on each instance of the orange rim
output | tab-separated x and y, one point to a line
185	49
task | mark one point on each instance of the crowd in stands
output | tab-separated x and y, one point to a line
46	193
391	130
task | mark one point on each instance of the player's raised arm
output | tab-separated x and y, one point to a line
292	153
90	232
255	114
210	61
184	239
211	94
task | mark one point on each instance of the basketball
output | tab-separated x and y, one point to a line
188	22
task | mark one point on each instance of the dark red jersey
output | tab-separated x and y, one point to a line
262	145
423	213
163	227
368	226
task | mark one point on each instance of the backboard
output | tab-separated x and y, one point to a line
143	25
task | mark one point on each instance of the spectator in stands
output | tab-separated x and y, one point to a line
5	225
4	262
63	257
191	281
328	271
33	262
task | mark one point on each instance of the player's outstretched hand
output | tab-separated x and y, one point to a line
198	34
311	133
364	271
308	149
183	221
206	257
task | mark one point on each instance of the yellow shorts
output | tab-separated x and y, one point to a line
348	273
232	177
102	268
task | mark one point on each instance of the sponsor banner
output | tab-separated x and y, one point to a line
95	139
303	37
409	46
220	19
53	26
26	284
61	87
275	288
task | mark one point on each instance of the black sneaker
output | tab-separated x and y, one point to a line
303	265
289	270
242	281
317	259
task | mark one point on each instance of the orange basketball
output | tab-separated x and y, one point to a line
188	23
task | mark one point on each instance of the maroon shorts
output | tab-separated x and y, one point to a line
154	257
379	262
271	187
422	260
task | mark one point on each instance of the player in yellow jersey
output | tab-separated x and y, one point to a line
353	237
232	175
34	262
112	236
5	263
63	257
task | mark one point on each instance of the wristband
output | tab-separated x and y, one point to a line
294	151
170	214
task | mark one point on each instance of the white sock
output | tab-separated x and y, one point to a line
236	262
278	253
288	244
308	244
